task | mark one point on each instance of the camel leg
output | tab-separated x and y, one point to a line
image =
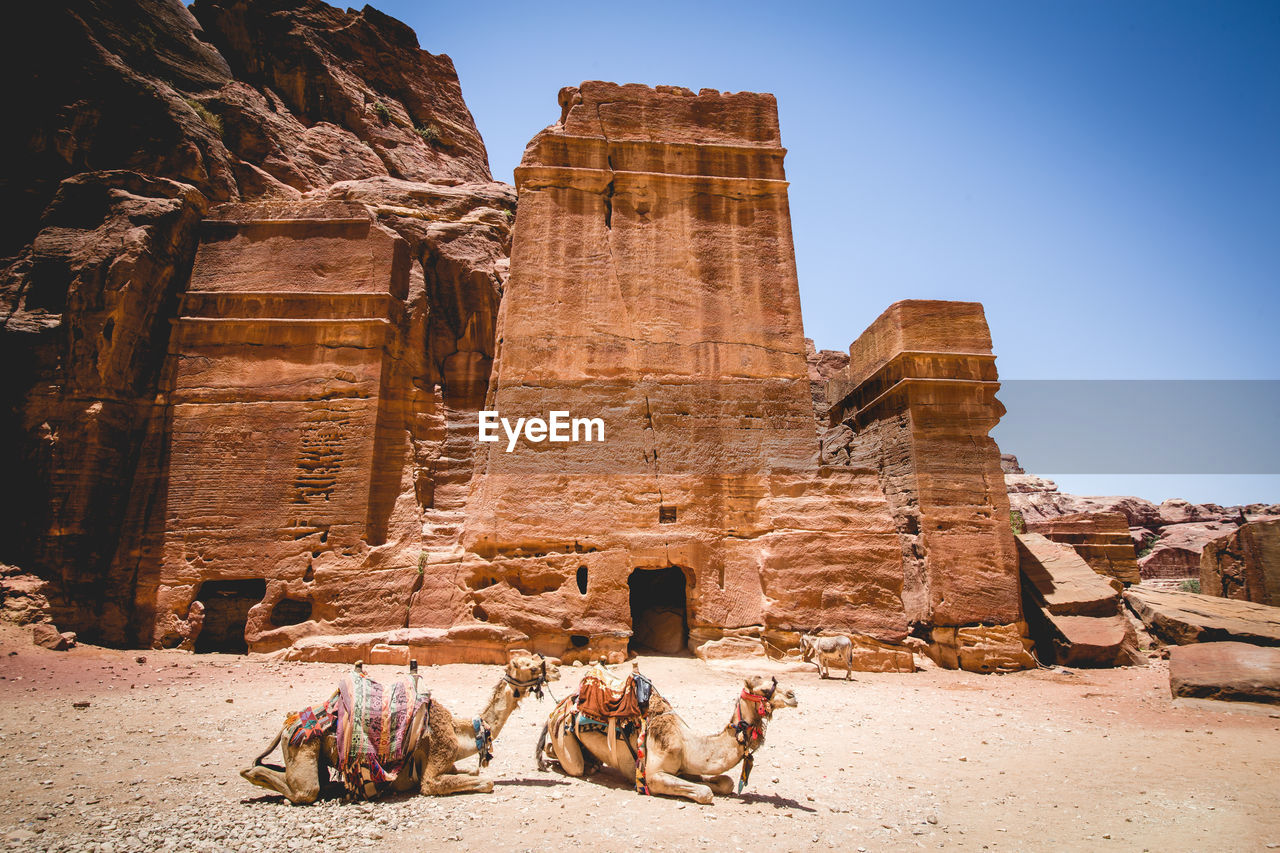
673	786
569	754
721	784
300	781
440	777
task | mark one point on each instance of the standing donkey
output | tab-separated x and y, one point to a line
821	650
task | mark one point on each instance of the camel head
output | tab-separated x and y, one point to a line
527	672
776	695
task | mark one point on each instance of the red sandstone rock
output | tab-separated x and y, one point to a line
1177	552
22	597
462	644
1229	671
89	318
47	636
639	197
919	396
388	106
730	648
302	96
1101	538
824	365
982	648
1244	565
1074	612
304	465
1185	617
1092	641
1062	581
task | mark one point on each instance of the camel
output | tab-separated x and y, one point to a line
432	767
677	763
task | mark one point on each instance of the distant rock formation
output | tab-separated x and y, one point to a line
1168	537
1244	565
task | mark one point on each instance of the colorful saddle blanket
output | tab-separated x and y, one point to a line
377	730
315	721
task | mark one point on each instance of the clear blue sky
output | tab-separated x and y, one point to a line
1103	176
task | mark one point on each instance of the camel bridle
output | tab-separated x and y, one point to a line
532	685
751	735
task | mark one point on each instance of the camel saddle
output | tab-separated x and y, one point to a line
605	696
378	727
603	700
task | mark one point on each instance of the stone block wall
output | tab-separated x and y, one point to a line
279	423
916	404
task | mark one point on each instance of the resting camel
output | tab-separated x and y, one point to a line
432	768
678	763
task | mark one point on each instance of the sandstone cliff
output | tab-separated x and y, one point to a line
131	123
255	298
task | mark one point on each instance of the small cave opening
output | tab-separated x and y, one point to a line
659	610
582	579
226	613
480	613
290	611
579	641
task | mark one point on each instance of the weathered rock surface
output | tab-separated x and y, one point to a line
916	404
1244	565
872	655
1169	537
709	467
730	648
362	75
460	644
47	636
22	597
1101	538
178	110
982	648
824	365
84	336
1074	612
252	308
1062	581
1184	617
1176	554
1229	671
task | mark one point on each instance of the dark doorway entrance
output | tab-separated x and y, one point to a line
226	610
659	614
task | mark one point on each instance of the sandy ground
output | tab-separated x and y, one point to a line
1045	760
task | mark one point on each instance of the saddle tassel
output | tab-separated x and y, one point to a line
747	761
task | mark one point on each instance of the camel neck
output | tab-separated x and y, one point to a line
746	711
501	705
